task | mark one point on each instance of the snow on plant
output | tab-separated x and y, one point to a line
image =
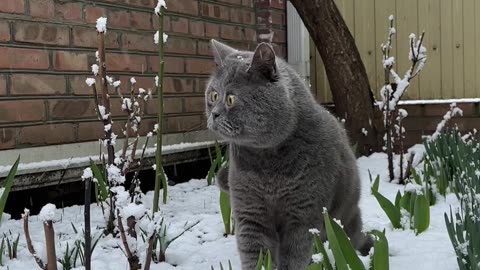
392	92
9	246
464	226
454	111
414	201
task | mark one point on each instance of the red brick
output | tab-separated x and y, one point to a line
204	48
180	45
466	124
279	36
71	109
87	37
178	85
237	33
13	6
280	4
146	83
184	123
201	85
170	105
233	2
413	110
92	13
126	62
68	11
118	18
243	16
212	30
93	131
78	85
4	31
138	42
166	23
199	66
197	28
22	111
16	58
179	25
63	60
172	64
248	3
3	85
42	8
142	3
441	109
141	20
47	134
187	7
7	138
195	104
41	33
37	84
215	11
278	18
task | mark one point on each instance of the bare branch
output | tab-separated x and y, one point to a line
30	247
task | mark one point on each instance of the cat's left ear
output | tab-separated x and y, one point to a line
263	61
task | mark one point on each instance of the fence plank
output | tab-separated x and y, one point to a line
365	38
407	23
469	48
477	46
383	9
446	47
458	50
429	21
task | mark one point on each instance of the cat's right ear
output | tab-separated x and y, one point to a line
220	51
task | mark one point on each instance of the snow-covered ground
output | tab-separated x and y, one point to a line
204	245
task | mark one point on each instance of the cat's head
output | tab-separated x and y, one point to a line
247	102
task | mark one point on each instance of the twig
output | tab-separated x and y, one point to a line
123	236
50	245
30	247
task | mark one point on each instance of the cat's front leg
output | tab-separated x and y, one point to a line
295	248
222	179
250	242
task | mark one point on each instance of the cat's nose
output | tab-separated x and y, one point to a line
215	115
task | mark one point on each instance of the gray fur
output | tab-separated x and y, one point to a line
289	158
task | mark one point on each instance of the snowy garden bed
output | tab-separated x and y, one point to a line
205	245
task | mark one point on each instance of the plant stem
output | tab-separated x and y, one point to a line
88	238
159	176
50	245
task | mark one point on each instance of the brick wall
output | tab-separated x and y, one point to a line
47	47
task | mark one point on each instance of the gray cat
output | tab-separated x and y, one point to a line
289	158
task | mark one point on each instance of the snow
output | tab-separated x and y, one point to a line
389	62
115	175
102	25
160	4
204	245
317	258
439	101
391	17
133	81
116	84
47	213
454	111
95	69
87	173
155	37
90	81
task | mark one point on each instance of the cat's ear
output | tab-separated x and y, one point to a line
220	51
263	61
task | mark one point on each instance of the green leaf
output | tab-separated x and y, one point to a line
315	266
260	261
347	249
380	256
340	260
405	201
376	183
8	186
398	198
102	184
421	216
392	212
321	249
226	211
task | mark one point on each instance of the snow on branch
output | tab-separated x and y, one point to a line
454	111
102	25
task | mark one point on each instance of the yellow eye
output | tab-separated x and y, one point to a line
213	96
230	100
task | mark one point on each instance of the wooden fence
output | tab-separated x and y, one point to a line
452	39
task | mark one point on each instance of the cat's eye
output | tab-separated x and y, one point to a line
230	100
213	96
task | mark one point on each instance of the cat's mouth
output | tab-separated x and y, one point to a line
223	128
